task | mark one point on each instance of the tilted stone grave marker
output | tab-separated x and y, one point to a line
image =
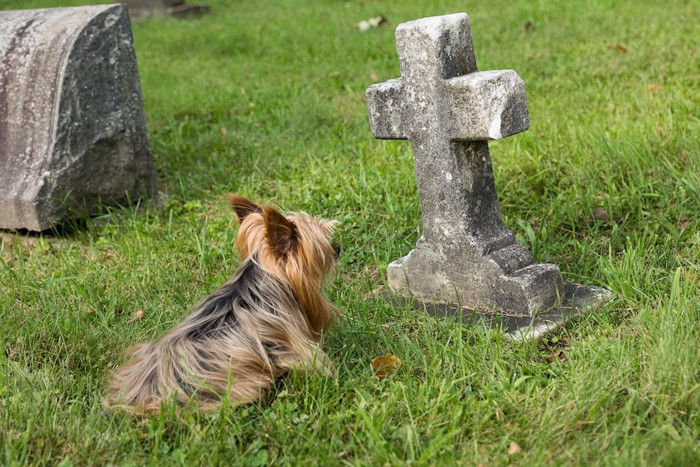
72	125
448	111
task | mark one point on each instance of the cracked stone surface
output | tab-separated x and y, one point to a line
448	111
73	131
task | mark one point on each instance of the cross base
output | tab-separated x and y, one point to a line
578	300
507	279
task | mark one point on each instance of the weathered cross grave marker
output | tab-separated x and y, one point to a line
72	125
448	111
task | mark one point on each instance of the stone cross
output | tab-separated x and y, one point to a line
73	131
448	111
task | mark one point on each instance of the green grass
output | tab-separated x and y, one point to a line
266	99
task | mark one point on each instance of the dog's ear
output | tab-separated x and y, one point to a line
328	226
281	233
243	206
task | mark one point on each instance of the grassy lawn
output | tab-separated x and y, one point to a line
266	99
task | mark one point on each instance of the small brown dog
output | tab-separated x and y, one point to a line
266	320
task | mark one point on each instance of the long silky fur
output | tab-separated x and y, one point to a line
266	320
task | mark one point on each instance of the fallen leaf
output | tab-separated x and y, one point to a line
618	48
601	214
683	223
384	366
561	356
655	87
373	77
513	449
138	316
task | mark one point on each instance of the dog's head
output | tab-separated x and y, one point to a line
295	248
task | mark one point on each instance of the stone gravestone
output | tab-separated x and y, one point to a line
175	8
448	110
72	125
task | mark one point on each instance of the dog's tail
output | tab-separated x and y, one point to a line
140	386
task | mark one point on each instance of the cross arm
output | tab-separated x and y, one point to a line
385	104
486	105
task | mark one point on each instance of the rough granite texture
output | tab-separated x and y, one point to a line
448	110
72	125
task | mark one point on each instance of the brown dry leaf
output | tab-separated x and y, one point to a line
384	366
618	48
138	316
373	77
514	448
601	214
653	87
561	356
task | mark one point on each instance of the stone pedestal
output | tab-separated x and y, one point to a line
578	300
72	125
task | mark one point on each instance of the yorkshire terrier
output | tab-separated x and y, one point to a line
268	319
